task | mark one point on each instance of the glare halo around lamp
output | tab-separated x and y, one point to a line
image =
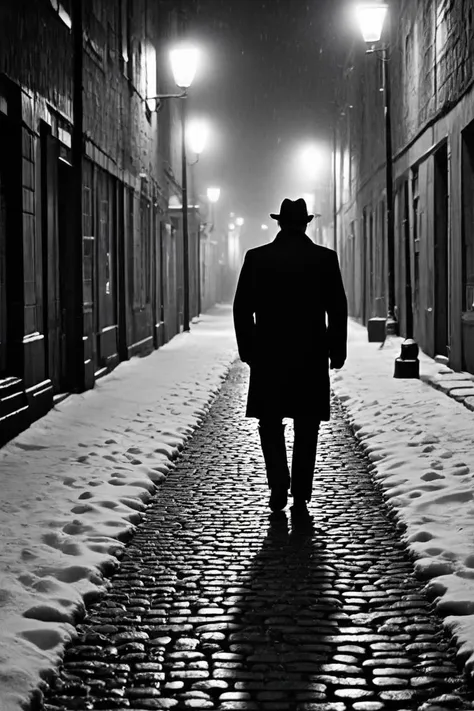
371	17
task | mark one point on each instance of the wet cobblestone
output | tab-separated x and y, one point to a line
219	605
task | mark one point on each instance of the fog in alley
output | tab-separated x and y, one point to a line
266	86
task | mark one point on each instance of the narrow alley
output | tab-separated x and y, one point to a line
219	604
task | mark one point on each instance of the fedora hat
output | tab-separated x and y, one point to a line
293	211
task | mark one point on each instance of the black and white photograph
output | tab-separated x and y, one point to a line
237	355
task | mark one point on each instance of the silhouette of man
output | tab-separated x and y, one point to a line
285	291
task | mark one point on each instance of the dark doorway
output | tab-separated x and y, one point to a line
407	258
3	275
56	177
363	270
441	257
468	249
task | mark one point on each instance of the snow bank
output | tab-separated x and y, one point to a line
421	444
73	486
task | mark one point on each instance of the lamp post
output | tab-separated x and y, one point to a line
183	65
371	17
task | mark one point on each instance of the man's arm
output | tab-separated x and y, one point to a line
337	315
244	323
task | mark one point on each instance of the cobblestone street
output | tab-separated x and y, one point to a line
219	605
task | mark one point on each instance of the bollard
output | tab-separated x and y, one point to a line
408	365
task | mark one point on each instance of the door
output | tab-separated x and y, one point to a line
106	326
468	249
169	281
407	257
56	176
3	281
441	252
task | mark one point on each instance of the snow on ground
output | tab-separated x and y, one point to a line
421	444
75	483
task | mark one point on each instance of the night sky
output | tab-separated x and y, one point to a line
266	85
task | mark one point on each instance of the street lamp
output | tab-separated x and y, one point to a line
240	221
264	228
184	62
197	136
213	195
371	17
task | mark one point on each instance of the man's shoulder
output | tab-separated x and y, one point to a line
325	252
258	251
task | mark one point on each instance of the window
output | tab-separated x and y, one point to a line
64	11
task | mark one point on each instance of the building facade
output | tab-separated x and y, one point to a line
91	253
431	56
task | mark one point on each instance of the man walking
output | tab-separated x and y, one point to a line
286	290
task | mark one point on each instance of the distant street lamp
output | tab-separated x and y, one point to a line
213	195
264	228
240	221
371	17
197	136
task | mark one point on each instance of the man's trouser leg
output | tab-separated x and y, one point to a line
272	438
304	456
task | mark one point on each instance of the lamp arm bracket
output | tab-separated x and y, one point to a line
160	97
381	52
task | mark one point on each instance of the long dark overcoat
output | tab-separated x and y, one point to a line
290	317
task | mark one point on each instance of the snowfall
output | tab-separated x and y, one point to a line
75	483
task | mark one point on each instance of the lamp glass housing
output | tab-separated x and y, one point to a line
213	194
184	62
371	18
197	135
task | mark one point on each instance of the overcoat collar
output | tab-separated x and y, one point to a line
288	235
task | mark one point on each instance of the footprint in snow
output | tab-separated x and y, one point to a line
43	639
432	476
82	509
47	613
421	537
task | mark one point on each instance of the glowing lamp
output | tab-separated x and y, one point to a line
184	62
197	135
240	221
371	18
213	194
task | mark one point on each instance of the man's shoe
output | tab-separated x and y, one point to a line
278	499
